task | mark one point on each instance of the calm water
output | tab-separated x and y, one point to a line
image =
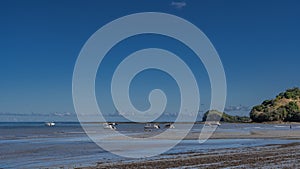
33	145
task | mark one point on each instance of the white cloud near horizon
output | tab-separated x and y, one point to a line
178	5
237	108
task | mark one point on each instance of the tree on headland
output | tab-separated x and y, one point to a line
285	107
215	115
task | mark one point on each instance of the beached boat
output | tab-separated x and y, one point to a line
150	127
109	126
169	126
213	123
113	123
50	124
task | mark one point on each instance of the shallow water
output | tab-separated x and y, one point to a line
33	145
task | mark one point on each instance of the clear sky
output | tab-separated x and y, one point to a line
257	41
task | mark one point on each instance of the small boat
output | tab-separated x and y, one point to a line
213	123
156	126
109	126
169	126
50	124
150	127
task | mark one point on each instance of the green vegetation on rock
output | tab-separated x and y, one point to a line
285	107
214	115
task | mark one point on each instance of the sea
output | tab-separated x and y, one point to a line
66	145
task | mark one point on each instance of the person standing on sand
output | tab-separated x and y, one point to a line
290	126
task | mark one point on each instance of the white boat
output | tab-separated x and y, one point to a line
113	123
50	124
109	126
213	123
156	126
169	126
150	127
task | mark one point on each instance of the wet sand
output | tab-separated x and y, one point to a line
252	134
270	156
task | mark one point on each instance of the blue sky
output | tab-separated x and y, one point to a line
258	43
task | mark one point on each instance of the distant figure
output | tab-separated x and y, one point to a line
290	126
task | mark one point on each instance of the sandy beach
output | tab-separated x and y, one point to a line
267	156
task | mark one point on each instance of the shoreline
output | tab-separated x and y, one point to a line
72	142
123	122
251	134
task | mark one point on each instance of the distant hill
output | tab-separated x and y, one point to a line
285	107
215	115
